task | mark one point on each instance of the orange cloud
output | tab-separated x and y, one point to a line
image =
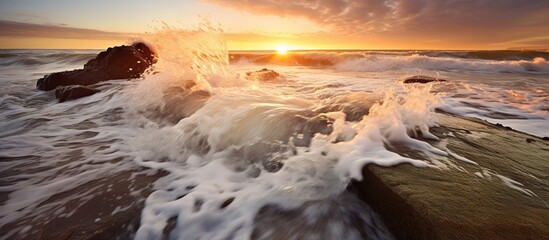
417	23
19	29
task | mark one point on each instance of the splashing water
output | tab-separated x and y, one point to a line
191	55
230	157
245	149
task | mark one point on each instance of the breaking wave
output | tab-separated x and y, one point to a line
500	55
240	153
230	157
371	61
384	63
44	57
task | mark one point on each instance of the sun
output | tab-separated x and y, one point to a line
282	49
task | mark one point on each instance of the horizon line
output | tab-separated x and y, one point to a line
317	49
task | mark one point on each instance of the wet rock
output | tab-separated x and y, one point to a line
421	79
263	75
226	203
115	63
74	92
469	202
503	126
272	166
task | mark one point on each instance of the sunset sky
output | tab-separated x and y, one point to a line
299	24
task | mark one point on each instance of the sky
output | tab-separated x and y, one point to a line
297	24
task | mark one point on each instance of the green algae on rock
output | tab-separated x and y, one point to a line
502	192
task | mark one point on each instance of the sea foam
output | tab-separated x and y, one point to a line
244	152
240	155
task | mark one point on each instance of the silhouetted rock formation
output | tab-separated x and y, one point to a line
74	92
115	63
421	79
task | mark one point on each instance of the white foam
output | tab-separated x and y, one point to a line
516	185
230	149
222	151
521	109
375	63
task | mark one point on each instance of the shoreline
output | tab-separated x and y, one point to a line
413	202
459	203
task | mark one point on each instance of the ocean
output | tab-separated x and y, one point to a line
242	158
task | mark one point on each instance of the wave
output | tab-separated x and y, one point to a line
236	149
369	61
359	60
230	150
307	58
235	155
384	63
490	55
42	57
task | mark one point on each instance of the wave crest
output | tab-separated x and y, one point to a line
384	63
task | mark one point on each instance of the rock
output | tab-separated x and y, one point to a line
529	140
74	92
115	63
263	75
421	79
476	202
502	126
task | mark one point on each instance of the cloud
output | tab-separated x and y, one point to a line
48	30
423	20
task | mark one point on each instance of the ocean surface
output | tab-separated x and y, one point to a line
221	160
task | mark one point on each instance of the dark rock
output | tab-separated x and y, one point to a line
545	138
503	126
226	203
74	92
529	140
422	79
272	166
115	63
263	75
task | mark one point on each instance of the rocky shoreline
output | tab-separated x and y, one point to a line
415	203
492	198
495	185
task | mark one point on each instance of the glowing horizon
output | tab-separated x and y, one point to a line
265	24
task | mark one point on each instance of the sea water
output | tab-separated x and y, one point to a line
233	157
